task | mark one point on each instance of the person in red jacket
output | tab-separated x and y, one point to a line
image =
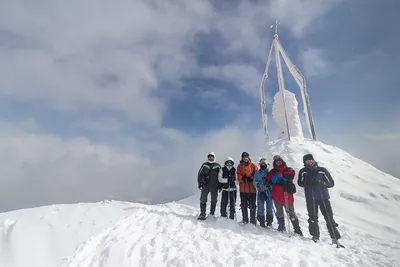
281	176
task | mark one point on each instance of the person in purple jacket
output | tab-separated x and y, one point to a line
316	180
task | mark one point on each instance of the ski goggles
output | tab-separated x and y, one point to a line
229	162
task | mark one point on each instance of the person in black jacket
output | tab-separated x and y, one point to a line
316	180
207	180
227	182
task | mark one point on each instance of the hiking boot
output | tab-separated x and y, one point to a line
281	223
202	215
253	217
261	219
270	219
212	208
315	239
296	227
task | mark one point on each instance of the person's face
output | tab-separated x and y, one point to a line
211	158
246	159
229	163
278	162
309	162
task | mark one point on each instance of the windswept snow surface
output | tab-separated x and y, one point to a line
42	237
365	202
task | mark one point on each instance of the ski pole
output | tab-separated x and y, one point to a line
234	198
330	220
229	198
273	210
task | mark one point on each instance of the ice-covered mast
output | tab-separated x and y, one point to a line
298	77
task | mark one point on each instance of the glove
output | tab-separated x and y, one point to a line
263	196
276	177
283	181
200	186
259	184
245	178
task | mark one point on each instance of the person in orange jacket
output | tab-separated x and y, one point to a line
248	192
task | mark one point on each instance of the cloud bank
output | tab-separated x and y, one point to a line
86	87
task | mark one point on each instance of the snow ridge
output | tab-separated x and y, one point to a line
110	234
171	235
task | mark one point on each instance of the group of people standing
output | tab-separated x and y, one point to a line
263	190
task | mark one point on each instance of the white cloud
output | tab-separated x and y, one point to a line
101	124
300	15
245	77
105	65
381	151
41	169
384	136
246	28
314	62
85	57
89	56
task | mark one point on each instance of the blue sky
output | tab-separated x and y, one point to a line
147	89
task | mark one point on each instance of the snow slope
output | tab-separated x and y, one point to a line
365	202
42	237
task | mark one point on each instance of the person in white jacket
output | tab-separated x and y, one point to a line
227	182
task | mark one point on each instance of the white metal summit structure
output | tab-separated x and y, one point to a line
298	77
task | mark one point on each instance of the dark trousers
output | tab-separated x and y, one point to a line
205	190
248	200
326	210
228	197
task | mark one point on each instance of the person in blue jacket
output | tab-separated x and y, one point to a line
316	180
264	194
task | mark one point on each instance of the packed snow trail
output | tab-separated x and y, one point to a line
171	235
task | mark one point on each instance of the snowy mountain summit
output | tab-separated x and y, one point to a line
365	202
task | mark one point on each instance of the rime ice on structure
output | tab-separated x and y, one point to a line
278	114
291	126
